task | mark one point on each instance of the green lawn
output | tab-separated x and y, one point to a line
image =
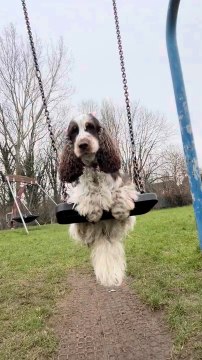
163	258
165	261
33	274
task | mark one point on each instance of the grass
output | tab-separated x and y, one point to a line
33	271
163	259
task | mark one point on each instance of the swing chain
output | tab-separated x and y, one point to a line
38	75
137	178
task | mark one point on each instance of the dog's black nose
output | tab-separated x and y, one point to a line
83	146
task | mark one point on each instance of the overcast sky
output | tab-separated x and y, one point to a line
87	27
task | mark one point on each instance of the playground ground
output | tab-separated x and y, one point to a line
52	308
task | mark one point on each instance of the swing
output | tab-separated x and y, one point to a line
27	218
65	213
27	215
17	214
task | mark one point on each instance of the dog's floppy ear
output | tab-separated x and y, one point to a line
108	155
70	167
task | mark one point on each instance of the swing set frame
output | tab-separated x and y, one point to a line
24	181
183	114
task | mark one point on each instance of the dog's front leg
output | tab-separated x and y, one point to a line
123	201
91	196
90	207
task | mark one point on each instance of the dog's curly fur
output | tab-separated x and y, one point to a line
112	163
92	159
71	166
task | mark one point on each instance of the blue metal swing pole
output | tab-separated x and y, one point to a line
183	114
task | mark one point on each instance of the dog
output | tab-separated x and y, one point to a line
91	161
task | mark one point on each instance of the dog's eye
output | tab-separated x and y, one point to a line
90	127
73	131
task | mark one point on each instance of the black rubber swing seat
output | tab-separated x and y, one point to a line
27	218
66	214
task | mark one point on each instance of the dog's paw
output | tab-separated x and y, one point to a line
92	212
120	212
81	209
95	215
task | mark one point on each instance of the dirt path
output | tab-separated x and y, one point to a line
95	323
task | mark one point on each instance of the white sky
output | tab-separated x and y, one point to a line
87	27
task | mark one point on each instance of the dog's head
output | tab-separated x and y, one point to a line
88	144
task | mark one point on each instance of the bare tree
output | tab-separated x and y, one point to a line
23	129
88	106
112	116
152	134
174	185
22	122
174	164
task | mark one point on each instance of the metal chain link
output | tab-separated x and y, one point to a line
137	178
38	75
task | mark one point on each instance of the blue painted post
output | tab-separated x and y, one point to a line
183	114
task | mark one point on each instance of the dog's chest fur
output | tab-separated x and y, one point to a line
98	180
95	187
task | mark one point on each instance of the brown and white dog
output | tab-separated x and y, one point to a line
91	161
